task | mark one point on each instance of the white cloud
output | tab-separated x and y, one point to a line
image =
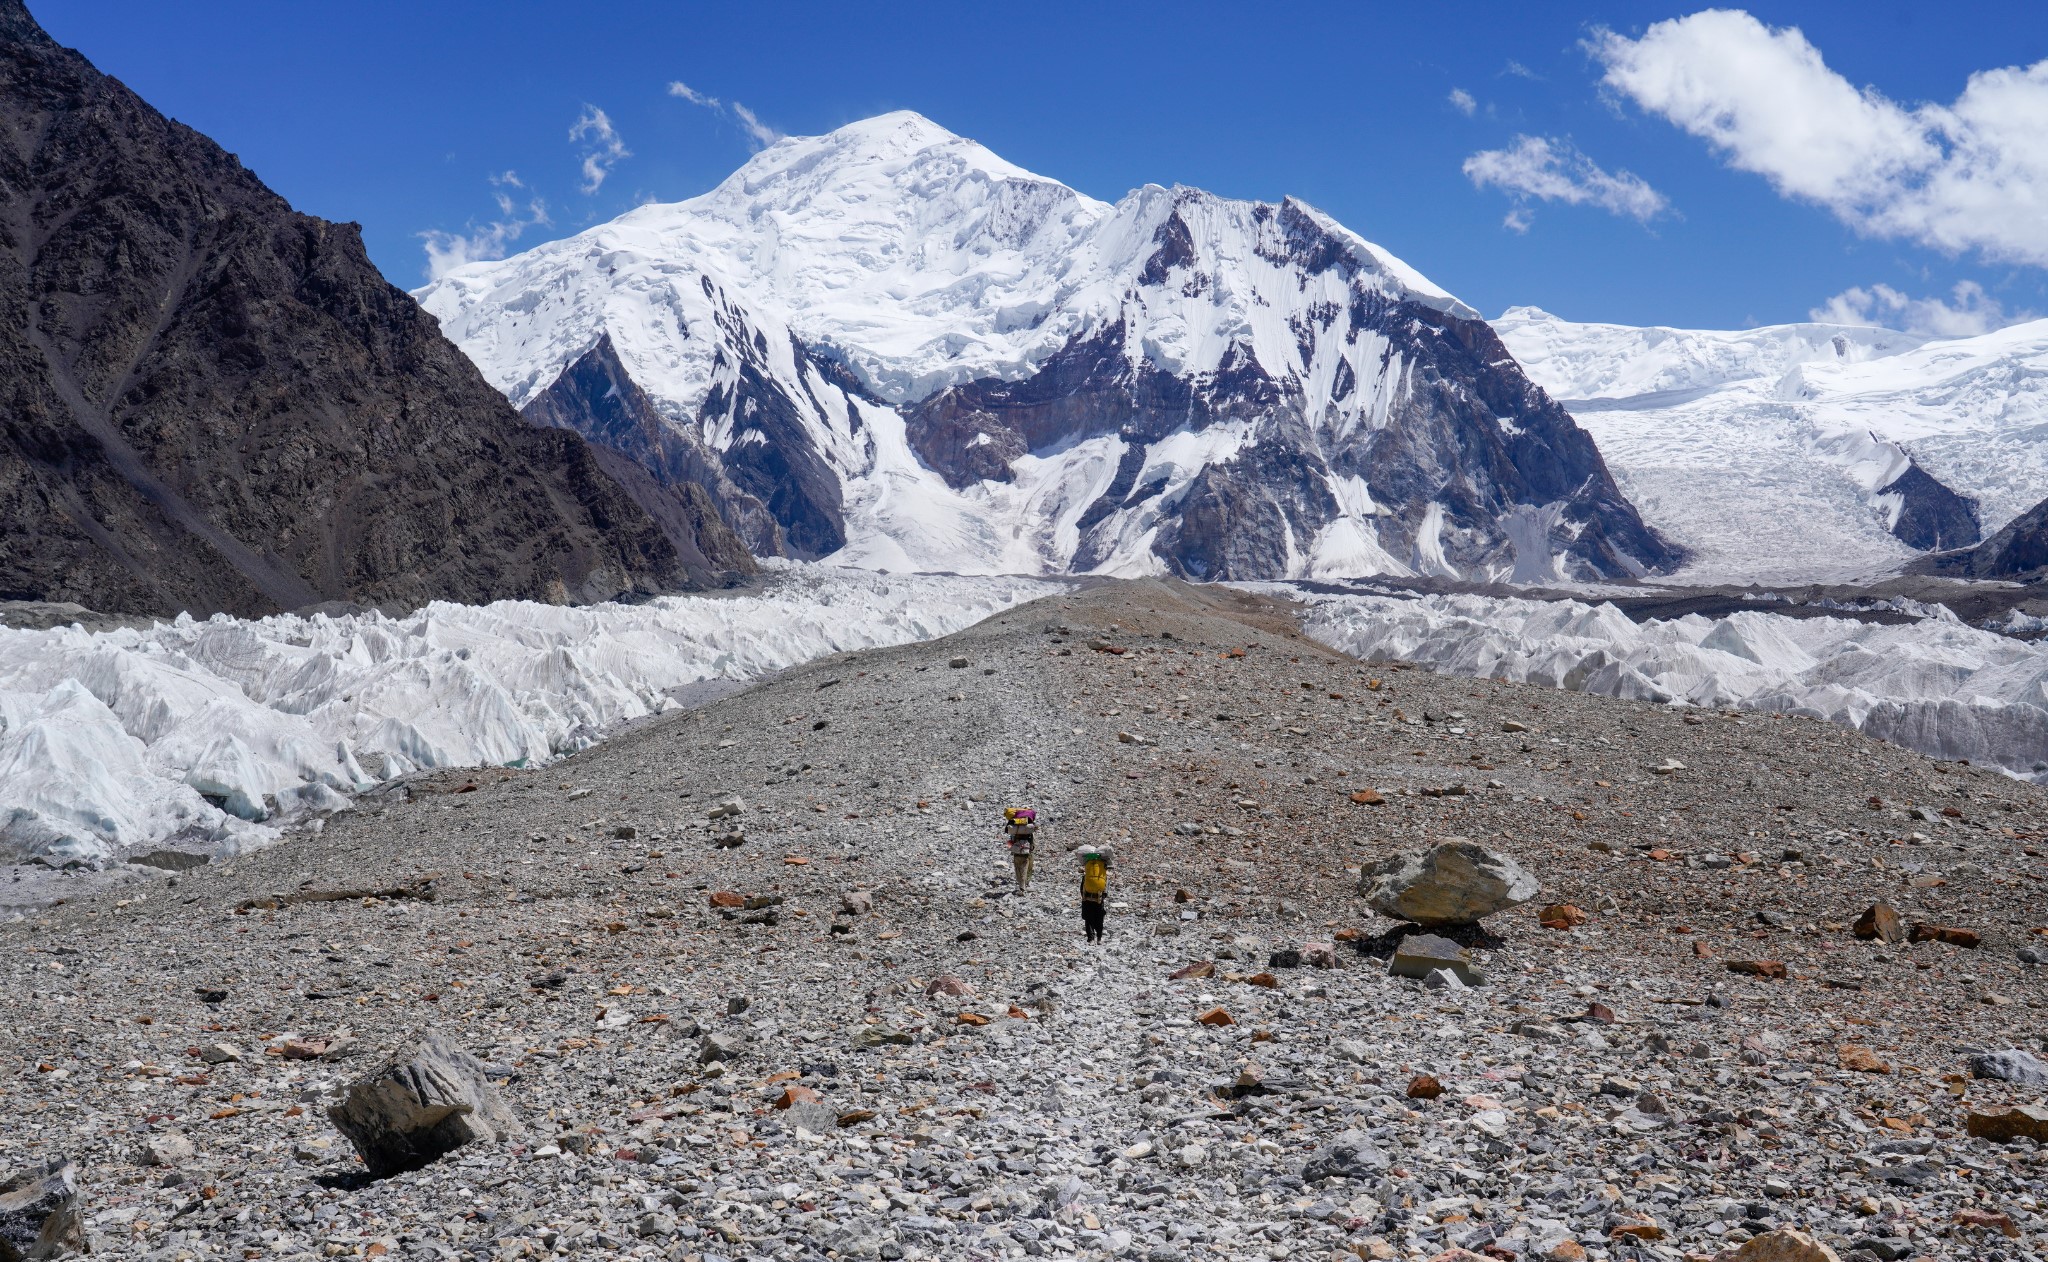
1519	219
1555	171
1521	71
447	251
1972	175
1462	101
602	147
1972	312
693	96
759	134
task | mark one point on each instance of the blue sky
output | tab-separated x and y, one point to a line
1581	170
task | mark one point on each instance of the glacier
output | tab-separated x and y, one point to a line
212	735
1766	451
1934	685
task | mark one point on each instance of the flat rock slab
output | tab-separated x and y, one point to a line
1421	954
429	1097
2028	1121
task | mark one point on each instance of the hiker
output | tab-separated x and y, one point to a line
1020	824
1094	888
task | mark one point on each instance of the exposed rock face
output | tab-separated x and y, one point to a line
680	482
1456	883
428	1098
210	402
1928	515
2020	550
40	1215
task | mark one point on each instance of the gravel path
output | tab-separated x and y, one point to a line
1615	1091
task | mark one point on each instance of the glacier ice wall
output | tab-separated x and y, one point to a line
1935	685
211	735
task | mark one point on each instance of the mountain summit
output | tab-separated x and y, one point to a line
890	346
209	402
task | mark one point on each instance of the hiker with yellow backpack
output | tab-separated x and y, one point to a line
1094	888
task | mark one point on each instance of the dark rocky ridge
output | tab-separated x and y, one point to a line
667	471
210	402
1932	517
2019	551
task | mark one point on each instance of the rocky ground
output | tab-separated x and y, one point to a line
960	1077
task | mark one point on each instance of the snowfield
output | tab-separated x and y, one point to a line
1936	685
209	736
1763	450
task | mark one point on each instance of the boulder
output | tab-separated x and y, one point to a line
2023	1068
1456	883
166	1149
720	1047
2003	1125
1420	954
40	1214
429	1097
1352	1155
1784	1245
1880	922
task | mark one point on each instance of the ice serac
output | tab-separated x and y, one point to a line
916	354
214	403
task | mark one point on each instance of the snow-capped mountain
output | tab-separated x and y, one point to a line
1804	452
890	346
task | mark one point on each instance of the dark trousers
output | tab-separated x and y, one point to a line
1091	918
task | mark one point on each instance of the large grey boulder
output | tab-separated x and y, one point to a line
427	1098
40	1214
1351	1155
1457	883
2022	1068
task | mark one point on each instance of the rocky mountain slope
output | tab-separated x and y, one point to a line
1804	452
210	402
845	1033
917	355
2017	551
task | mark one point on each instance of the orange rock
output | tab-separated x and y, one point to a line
1424	1087
1880	921
1366	797
1266	980
1772	969
2003	1125
1639	1231
1200	968
1969	939
1861	1059
1783	1245
793	1094
1702	951
1988	1220
1561	916
1566	1251
971	1018
1217	1016
727	898
1018	1014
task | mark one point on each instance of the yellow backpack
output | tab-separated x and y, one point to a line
1094	874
